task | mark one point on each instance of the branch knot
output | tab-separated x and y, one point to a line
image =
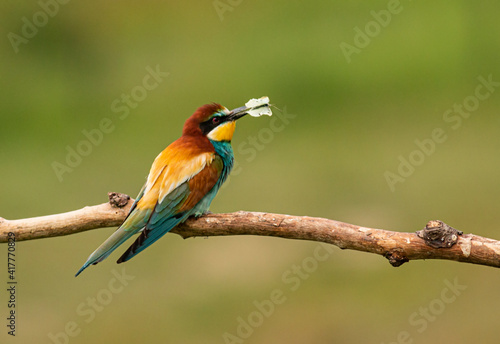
438	234
117	199
396	257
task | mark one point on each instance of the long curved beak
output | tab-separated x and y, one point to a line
238	113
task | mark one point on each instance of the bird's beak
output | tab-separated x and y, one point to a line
253	107
238	113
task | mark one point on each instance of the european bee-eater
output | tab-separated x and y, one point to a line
183	179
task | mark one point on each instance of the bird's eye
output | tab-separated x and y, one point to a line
215	120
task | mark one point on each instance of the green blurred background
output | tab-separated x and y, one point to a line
352	123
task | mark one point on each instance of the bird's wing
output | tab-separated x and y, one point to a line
178	180
160	200
176	205
135	221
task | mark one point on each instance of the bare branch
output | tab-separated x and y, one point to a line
436	241
98	216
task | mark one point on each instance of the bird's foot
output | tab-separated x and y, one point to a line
208	212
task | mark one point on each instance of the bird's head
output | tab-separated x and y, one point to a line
214	121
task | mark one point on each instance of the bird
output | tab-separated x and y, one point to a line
183	180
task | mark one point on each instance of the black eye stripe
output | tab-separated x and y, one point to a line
210	124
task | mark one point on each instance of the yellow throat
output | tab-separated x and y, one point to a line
223	132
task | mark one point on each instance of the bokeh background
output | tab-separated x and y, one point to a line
349	122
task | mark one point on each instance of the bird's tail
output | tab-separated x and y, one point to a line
133	224
150	235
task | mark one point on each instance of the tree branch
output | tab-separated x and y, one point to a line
436	241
